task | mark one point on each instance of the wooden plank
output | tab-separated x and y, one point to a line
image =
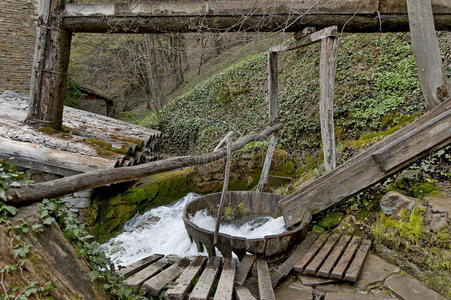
243	269
273	87
420	137
346	258
354	270
327	69
265	289
285	268
305	260
317	261
137	266
137	279
205	282
426	51
155	285
224	291
243	293
310	39
333	257
184	282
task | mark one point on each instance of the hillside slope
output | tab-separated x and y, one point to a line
376	90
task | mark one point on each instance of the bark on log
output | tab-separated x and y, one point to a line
242	15
89	180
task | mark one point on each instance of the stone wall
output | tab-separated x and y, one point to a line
17	39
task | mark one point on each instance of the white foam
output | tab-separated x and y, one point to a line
161	230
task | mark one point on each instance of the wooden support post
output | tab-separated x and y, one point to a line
50	64
426	50
273	86
328	65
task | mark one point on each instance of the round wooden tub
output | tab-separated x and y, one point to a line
242	203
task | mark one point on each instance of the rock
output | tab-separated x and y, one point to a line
408	178
374	270
407	287
436	220
355	296
331	220
393	203
314	281
293	290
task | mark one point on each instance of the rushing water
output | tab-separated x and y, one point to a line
161	230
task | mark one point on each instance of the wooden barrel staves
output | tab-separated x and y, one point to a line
241	204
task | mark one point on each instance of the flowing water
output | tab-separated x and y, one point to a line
161	230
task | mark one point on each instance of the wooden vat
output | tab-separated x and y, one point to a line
242	203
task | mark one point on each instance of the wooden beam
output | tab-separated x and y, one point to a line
50	65
310	39
327	69
89	180
273	87
433	79
426	134
242	15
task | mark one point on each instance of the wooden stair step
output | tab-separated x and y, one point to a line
137	279
224	291
311	252
205	283
334	256
354	270
322	254
243	269
184	282
265	289
137	266
154	285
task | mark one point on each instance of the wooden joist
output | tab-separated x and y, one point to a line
265	289
138	266
205	283
184	282
243	293
244	268
139	277
307	40
430	132
155	285
224	291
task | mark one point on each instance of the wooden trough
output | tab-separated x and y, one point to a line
242	204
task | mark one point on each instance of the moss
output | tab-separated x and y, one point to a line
319	229
331	220
420	190
439	281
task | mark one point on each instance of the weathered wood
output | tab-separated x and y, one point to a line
94	179
311	252
243	269
428	133
433	79
285	268
184	282
243	293
313	267
137	266
224	188
265	289
137	279
333	257
224	141
194	16
354	270
205	282
327	69
224	291
273	83
154	285
309	39
50	69
346	258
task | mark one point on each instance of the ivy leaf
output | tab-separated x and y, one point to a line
93	275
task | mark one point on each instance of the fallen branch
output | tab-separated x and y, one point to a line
93	179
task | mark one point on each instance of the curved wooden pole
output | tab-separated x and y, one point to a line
90	180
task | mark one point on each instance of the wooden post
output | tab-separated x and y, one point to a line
426	50
273	87
50	64
328	65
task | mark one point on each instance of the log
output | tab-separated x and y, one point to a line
90	180
427	52
50	68
327	69
263	15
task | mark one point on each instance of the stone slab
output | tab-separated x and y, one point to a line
408	287
290	290
355	296
314	281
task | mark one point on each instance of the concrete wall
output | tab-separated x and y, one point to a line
17	39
